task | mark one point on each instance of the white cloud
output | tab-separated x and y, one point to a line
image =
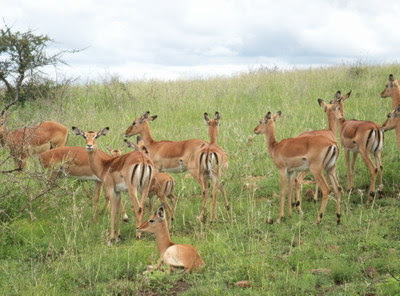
172	39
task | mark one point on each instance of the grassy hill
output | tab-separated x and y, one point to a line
53	247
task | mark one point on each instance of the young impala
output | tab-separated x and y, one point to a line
27	141
130	172
292	155
162	184
392	90
212	163
359	137
174	255
392	119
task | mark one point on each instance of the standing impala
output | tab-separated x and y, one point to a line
292	155
329	133
74	162
168	156
130	172
392	90
31	140
359	137
212	163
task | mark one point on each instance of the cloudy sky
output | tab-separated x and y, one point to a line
171	39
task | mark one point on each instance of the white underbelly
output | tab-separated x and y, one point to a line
84	178
121	187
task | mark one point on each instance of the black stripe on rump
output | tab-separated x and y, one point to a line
141	177
133	172
369	137
326	155
379	141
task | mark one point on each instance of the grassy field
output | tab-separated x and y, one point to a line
52	247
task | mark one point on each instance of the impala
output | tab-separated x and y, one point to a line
175	255
27	141
162	184
74	162
212	163
292	155
168	156
329	133
392	119
392	90
130	172
359	137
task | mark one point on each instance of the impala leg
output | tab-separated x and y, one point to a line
96	195
325	191
378	157
125	217
136	207
352	168
373	171
336	188
348	168
222	189
290	200
114	211
116	215
214	199
282	174
298	183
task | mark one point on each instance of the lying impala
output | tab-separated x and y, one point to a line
130	172
74	162
175	255
359	136
392	90
292	155
212	163
162	184
27	141
329	133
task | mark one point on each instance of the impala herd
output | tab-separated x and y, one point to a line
143	172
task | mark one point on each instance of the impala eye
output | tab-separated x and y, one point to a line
151	221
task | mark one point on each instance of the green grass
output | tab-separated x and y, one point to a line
54	248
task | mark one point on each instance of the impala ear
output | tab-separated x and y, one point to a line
146	114
337	95
268	116
391	78
206	118
396	113
103	132
160	212
152	118
346	96
321	102
131	145
217	116
78	132
277	115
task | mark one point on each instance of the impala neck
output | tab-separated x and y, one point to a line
213	132
96	162
340	122
270	138
331	122
396	98
145	135
163	239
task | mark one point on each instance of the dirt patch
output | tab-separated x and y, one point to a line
179	287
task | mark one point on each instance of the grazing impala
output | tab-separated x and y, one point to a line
26	141
175	255
74	162
130	172
212	163
329	133
359	136
292	155
392	90
162	184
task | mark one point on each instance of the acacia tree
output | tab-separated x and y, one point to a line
22	56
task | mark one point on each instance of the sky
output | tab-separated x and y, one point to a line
169	40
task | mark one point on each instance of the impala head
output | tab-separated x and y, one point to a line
334	107
391	87
90	137
137	125
392	120
114	152
140	146
267	121
155	222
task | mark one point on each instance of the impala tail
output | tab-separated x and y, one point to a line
375	140
141	175
331	157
